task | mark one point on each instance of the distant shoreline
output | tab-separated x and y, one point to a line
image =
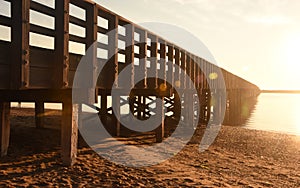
281	91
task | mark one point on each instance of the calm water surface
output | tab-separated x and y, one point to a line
273	112
276	112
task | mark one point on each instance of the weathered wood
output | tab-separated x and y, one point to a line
177	68
4	127
61	45
170	73
91	38
129	54
162	61
183	69
42	8
20	44
143	58
160	130
5	21
39	114
116	113
152	83
69	133
111	68
188	71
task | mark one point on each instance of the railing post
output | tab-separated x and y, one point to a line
91	54
113	23
162	62
129	53
20	44
177	68
61	46
183	69
153	61
170	73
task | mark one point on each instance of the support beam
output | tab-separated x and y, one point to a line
116	114
4	127
39	114
69	133
160	130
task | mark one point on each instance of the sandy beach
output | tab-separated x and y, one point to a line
238	158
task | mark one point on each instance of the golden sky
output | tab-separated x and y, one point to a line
256	39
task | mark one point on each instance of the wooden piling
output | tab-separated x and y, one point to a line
69	133
160	130
4	127
39	114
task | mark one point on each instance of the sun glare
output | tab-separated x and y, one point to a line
292	52
290	62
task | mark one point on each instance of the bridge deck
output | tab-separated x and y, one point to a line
44	72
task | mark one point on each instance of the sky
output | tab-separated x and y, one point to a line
258	40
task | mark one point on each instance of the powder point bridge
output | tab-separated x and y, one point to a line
33	73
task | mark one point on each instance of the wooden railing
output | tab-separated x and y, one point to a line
32	67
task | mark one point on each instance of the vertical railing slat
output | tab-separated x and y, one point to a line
20	44
61	45
129	52
143	57
153	62
170	73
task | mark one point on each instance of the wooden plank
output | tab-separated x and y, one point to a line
78	21
42	58
40	77
4	127
61	44
20	44
6	21
39	114
4	74
41	30
42	8
76	38
102	30
5	57
69	133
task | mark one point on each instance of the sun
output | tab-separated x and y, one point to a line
292	51
290	61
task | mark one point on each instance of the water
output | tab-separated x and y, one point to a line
276	112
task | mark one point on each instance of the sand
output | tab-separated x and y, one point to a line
238	158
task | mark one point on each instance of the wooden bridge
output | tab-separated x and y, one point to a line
34	73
